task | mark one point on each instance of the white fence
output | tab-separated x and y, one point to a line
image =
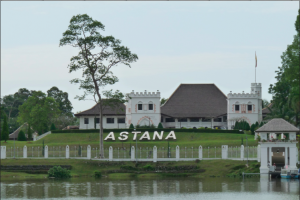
131	154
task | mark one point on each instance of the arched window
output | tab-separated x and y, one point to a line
140	105
150	105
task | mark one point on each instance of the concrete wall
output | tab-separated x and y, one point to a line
105	125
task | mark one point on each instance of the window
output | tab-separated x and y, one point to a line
194	119
182	120
86	120
110	120
206	119
170	120
237	107
217	119
121	120
250	107
97	120
140	106
150	106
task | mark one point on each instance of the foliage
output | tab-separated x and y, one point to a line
64	104
160	126
29	132
258	137
286	102
163	101
52	128
4	132
241	125
96	57
79	150
265	103
21	136
148	168
59	172
242	141
131	126
38	111
97	174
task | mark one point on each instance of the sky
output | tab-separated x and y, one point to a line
176	42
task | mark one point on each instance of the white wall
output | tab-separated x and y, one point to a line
105	125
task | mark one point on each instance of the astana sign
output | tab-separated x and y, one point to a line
146	136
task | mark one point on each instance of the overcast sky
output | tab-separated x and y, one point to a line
176	42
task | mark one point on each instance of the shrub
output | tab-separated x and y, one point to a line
21	136
5	131
160	125
197	161
148	168
97	174
59	172
128	167
52	128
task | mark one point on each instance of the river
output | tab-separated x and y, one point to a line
137	189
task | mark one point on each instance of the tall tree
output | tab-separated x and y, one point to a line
97	55
65	106
4	132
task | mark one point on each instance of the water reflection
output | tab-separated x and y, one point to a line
168	188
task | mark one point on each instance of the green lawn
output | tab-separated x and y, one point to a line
186	139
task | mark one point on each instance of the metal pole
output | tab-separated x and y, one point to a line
247	148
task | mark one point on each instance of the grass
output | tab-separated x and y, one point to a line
184	139
81	168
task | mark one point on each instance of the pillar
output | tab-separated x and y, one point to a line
132	153
270	156
154	154
88	152
224	151
25	152
293	157
258	153
212	123
177	153
242	152
264	159
3	152
285	157
110	153
200	153
67	152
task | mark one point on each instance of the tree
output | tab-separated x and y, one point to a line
52	128
131	126
29	132
21	136
160	126
4	132
39	111
163	101
97	55
64	104
265	103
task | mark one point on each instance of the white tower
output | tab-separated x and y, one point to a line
245	106
143	109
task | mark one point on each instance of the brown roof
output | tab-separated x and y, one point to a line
196	100
119	109
277	125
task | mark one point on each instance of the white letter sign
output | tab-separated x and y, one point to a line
171	135
123	136
110	136
146	136
135	134
157	135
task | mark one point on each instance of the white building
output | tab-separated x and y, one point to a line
190	106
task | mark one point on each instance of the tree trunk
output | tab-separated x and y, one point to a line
101	148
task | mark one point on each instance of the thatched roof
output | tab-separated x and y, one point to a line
277	125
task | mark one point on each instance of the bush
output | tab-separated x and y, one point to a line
160	126
59	172
131	126
21	136
52	128
197	161
148	168
97	174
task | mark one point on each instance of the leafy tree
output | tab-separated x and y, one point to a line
97	55
160	125
131	126
52	128
21	136
64	104
29	132
4	132
39	111
265	103
252	128
163	101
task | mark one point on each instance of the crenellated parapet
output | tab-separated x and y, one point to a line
144	94
242	95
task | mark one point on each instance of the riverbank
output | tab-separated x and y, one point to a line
125	170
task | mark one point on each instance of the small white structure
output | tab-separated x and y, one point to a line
281	150
245	106
143	108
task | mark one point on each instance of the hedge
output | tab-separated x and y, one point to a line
148	129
